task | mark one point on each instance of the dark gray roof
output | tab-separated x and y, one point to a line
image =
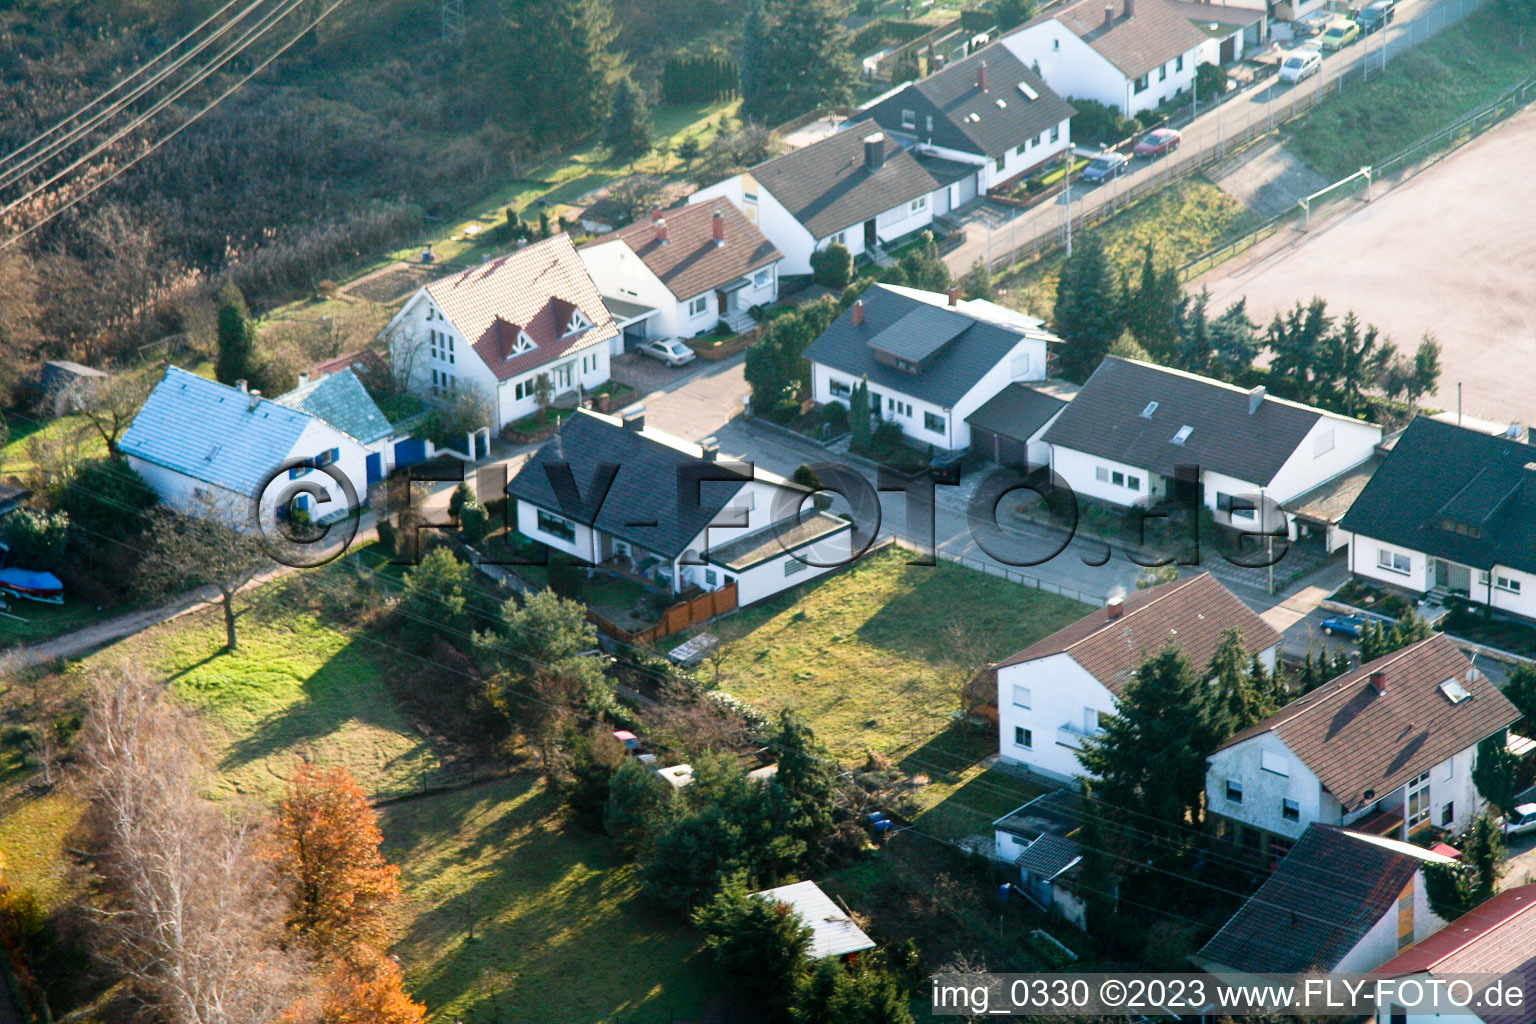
1137	43
827	187
1438	471
945	172
1019	410
648	504
957	368
965	118
1105	419
920	334
1049	856
1058	812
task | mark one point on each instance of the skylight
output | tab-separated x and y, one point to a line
1002	104
1029	93
1183	434
1151	408
1454	691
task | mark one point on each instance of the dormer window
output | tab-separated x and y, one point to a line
579	322
523	343
1464	529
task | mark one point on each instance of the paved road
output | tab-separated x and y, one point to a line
1416	21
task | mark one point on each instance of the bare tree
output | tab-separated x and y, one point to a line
202	549
963	669
112	403
189	917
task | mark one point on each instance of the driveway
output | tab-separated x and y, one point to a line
1520	869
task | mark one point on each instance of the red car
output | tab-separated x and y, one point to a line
1158	142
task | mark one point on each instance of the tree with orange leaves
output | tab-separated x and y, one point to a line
325	843
367	988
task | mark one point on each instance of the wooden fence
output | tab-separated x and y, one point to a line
693	612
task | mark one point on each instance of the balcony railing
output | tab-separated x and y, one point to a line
1072	735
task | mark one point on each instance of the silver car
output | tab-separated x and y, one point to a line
1301	64
1521	820
668	350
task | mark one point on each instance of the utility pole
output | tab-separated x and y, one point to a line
453	22
1067	181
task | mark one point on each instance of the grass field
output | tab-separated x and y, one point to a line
1181	221
1423	90
560	932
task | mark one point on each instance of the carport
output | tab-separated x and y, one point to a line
1007	428
633	321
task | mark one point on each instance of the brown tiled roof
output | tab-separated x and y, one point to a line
362	360
532	289
1320	902
689	263
1496	937
1191	613
1154	35
1358	741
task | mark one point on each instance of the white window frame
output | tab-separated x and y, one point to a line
1234	786
943	424
909	118
1021	696
762	277
920	204
1508	584
698	306
1388	559
1023	737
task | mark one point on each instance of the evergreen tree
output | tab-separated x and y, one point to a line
808	774
978	283
1087	313
1152	309
858	415
1424	377
861	993
795	58
1496	771
1011	14
922	267
776	368
237	338
1151	753
639	806
629	122
1194	347
1352	359
1234	343
1455	889
1243	691
558	65
1521	691
760	944
1378	639
1295	342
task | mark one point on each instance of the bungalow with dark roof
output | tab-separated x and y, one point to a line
1387	749
504	329
1057	692
696	266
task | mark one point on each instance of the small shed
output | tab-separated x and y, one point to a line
64	387
833	932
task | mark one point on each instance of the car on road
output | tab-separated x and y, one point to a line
1300	64
1106	166
1521	820
1158	141
1344	625
1377	15
1339	35
668	350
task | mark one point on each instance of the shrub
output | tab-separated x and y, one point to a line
474	523
389	537
1099	124
832	267
835	416
37	539
565	576
805	476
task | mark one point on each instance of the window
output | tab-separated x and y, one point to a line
920	204
1236	507
1162	73
1290	810
1448	813
1507	584
1056	44
1019	149
749	197
897	407
929	120
1178	63
711	577
1323	444
556	526
1141	84
1392	561
1418	800
698	306
1448	770
909	119
1023	737
1021	696
1056	133
839	388
1234	791
1117	478
932	423
524	388
1001	161
1183	434
327	457
1270	761
560	376
841	238
1133	482
793	565
1482	577
1101	474
762	277
1151	408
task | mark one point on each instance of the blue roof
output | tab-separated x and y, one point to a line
211	432
341	400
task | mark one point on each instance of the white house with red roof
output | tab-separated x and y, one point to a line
500	327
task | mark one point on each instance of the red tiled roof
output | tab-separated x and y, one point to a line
689	263
366	357
1192	613
1498	936
531	290
1358	741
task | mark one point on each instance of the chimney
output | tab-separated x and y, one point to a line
981	75
1255	399
1379	681
874	151
661	229
1109	16
655	214
1113	607
717	227
710	449
303	379
954	296
243	385
255	399
858	313
1130	8
634	419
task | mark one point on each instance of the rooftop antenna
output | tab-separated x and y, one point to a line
453	22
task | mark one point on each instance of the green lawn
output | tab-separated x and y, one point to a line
1182	221
560	931
1422	91
28	622
16	456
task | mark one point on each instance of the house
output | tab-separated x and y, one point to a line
340	400
1384	749
1037	839
1230	30
1452	510
858	187
833	932
611	491
502	328
204	446
690	267
929	359
1340	902
1497	937
1008	428
988	111
1059	690
1134	423
1132	55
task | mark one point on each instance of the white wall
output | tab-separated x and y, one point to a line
1073	68
621	274
1334	445
776	223
1023	155
1061	692
1264	791
1081	472
770	577
589	368
583	546
1363	555
1380	943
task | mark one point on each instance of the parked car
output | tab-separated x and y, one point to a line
1377	15
947	467
1521	820
668	350
1339	35
1105	166
1159	141
1344	625
1300	64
